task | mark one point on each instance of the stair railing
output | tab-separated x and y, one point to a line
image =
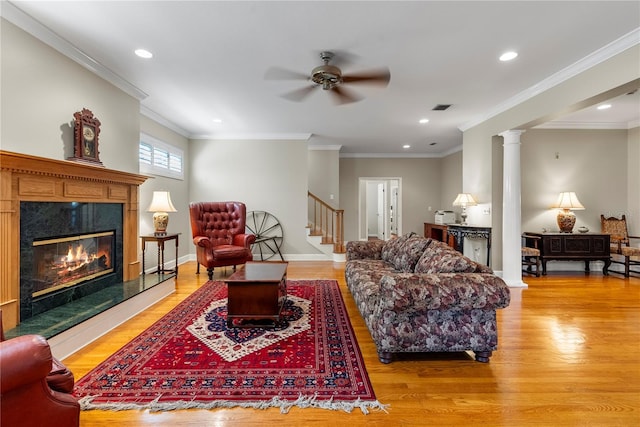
327	222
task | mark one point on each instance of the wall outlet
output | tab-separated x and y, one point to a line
486	211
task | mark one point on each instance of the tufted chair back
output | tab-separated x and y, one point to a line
219	221
218	230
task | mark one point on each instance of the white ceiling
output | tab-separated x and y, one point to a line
210	59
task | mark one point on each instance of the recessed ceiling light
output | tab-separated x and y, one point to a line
216	120
508	56
423	121
143	53
604	106
405	146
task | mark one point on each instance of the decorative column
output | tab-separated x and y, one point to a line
511	211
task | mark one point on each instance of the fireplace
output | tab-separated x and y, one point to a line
80	199
68	250
63	262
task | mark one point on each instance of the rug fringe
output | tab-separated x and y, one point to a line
86	404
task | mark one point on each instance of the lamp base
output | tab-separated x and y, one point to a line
160	222
566	221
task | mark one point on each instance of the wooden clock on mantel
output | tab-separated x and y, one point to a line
85	136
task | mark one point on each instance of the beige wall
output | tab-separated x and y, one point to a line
267	176
179	189
590	162
633	181
41	89
614	76
420	187
450	183
324	174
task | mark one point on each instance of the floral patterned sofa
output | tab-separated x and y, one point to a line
420	295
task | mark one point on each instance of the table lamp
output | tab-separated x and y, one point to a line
567	201
464	200
161	204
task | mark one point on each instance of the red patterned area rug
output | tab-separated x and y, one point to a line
191	359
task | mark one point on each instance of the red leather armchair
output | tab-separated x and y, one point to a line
26	398
218	230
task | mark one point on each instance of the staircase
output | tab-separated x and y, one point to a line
325	229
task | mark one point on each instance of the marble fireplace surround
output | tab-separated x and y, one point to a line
37	179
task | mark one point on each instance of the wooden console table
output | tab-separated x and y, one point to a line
460	232
585	247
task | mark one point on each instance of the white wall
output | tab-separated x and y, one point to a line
267	176
41	89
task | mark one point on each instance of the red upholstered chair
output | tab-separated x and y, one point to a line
26	398
59	378
218	230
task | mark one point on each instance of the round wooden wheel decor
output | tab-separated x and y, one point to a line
268	232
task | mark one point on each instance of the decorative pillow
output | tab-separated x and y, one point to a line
440	258
409	253
392	247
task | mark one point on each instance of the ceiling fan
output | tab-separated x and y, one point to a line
329	77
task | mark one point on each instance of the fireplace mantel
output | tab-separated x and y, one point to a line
37	179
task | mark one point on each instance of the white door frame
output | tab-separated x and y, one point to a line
362	205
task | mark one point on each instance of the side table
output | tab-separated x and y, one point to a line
160	240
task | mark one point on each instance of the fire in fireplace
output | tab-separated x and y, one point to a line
65	261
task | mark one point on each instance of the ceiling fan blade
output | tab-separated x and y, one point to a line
277	73
300	94
344	96
379	76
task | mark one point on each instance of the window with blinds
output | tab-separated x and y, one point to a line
159	158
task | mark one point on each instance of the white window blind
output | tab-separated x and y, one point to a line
159	158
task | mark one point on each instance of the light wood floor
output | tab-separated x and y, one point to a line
568	355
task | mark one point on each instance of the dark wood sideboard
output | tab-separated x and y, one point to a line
585	247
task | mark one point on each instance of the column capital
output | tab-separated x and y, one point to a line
512	136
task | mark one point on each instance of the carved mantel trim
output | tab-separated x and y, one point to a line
31	178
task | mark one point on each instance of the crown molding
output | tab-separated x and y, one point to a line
325	147
256	136
145	111
617	46
583	125
16	16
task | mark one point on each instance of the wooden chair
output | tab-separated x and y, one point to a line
531	254
620	244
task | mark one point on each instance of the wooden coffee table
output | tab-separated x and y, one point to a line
256	294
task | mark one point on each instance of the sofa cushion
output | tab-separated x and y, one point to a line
441	258
405	254
392	247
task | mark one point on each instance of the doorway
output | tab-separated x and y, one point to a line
380	201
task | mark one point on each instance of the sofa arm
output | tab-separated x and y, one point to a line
25	359
370	249
442	291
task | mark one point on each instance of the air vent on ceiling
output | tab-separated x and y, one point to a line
441	107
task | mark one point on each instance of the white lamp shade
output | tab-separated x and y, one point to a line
464	199
161	202
568	200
